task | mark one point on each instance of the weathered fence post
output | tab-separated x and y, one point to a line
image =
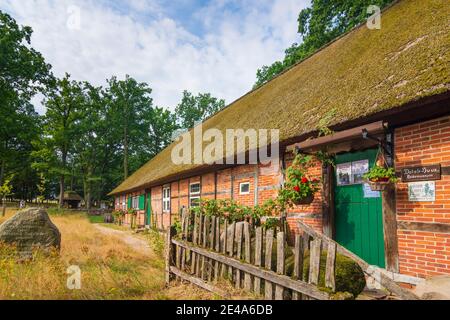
258	257
279	290
248	258
330	281
169	252
298	263
314	262
268	263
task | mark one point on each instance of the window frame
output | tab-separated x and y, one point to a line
166	199
194	195
135	202
240	187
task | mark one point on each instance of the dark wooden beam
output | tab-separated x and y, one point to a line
341	136
424	226
390	229
328	200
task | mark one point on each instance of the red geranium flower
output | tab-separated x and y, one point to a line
304	180
297	188
315	180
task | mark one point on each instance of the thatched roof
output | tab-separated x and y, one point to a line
360	74
72	196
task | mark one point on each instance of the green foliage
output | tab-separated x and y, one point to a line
298	186
6	188
271	223
192	108
318	25
378	173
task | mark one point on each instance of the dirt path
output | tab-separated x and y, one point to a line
127	237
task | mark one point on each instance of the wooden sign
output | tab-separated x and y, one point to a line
421	173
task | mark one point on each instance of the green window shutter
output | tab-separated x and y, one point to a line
141	202
129	202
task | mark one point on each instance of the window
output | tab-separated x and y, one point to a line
194	194
135	203
166	199
244	188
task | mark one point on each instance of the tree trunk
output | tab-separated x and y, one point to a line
61	180
125	153
2	175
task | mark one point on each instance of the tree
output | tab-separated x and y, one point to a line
63	101
192	108
5	190
23	72
130	107
319	24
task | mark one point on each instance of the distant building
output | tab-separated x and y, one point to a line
72	199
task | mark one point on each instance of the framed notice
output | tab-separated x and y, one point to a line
359	168
351	172
421	191
369	193
344	173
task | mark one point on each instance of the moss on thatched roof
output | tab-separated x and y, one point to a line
362	73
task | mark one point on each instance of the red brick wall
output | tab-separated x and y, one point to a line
309	214
424	253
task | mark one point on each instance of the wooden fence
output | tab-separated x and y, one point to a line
250	257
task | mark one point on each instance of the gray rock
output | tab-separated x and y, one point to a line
28	229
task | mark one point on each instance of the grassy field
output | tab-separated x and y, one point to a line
110	268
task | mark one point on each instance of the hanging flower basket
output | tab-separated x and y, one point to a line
379	178
379	185
304	201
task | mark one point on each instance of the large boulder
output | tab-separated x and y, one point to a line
29	229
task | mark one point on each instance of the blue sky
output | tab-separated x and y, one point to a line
197	45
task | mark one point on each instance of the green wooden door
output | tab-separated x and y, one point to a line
359	223
149	209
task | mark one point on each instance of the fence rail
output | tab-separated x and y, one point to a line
252	258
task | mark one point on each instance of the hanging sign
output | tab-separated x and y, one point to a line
421	173
421	191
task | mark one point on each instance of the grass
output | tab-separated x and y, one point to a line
110	268
96	219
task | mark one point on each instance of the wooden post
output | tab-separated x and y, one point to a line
298	264
314	262
231	248
279	290
217	248
205	244
268	263
224	247
169	252
330	281
239	253
258	257
194	241
248	258
212	238
200	238
390	229
328	200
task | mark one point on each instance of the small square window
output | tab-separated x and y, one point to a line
244	188
194	202
195	188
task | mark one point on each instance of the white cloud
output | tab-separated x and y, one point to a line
148	44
